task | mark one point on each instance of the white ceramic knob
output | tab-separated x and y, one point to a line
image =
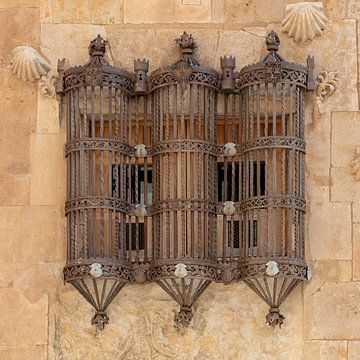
96	270
140	210
272	268
229	208
180	270
230	149
140	150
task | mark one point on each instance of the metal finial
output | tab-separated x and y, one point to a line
97	46
272	41
186	43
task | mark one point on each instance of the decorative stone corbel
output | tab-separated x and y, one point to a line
29	65
355	165
327	84
304	20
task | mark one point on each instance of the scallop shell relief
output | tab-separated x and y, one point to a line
305	20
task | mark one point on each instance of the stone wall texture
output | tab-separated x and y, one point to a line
41	318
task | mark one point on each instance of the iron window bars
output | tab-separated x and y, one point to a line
144	202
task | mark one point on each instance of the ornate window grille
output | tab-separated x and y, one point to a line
185	177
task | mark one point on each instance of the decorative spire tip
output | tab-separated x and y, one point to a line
272	41
97	46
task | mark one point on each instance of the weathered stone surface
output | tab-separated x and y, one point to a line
141	327
32	234
24	352
14	190
332	311
47	186
193	11
317	134
354	9
337	42
162	50
329	270
18	3
356	212
345	137
344	187
356	251
329	234
151	11
48	116
69	41
23	323
32	280
325	350
217	12
81	11
22	24
353	350
246	11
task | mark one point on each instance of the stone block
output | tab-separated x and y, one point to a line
344	187
193	11
253	11
23	25
32	234
329	271
329	231
317	135
48	121
332	311
69	40
325	350
159	47
17	122
356	251
317	190
337	42
48	179
345	138
32	280
81	11
151	11
356	212
353	350
14	190
18	3
217	12
354	9
24	323
23	352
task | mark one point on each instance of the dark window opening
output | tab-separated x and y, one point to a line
130	184
140	238
252	233
257	187
236	232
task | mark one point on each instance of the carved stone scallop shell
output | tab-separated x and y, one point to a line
304	20
27	64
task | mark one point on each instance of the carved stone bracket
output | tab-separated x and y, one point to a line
328	82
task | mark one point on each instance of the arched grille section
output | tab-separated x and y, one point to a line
272	205
97	98
184	154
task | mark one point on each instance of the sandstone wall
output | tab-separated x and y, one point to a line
40	318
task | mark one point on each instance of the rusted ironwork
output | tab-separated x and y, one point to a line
272	206
185	177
